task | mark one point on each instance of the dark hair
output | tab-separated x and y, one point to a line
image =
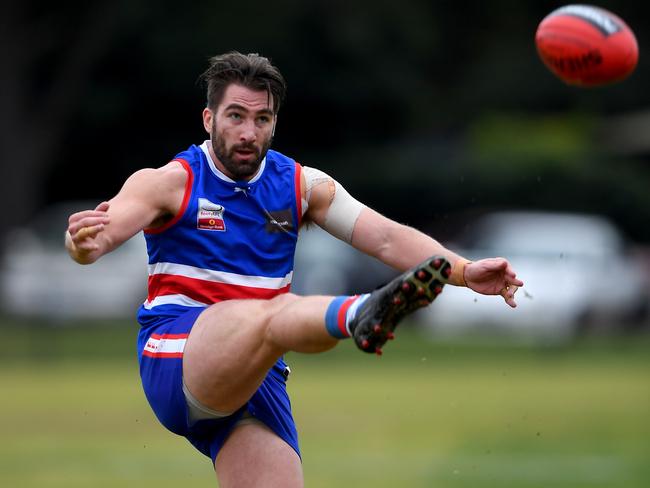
249	70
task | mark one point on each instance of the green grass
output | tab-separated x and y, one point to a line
424	415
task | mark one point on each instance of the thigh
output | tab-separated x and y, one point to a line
227	356
161	368
254	456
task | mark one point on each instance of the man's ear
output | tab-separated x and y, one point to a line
208	117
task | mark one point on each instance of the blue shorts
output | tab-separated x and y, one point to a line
160	353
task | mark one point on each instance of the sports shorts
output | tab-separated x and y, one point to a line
160	353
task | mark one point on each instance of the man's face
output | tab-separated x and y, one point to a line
241	130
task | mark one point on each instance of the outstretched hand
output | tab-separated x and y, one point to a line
493	276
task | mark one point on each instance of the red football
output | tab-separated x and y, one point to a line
587	46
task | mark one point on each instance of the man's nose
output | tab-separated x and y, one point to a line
248	133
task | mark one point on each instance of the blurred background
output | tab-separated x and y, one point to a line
437	114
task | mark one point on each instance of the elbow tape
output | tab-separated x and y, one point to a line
344	209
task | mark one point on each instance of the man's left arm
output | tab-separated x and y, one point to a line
399	245
395	244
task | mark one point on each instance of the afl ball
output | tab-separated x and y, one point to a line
586	46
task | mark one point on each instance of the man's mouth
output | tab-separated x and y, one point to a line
245	152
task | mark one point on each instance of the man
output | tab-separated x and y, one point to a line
221	222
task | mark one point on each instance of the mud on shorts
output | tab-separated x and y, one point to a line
160	352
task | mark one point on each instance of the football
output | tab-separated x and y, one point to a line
585	45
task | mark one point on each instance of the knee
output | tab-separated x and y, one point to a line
283	300
276	305
274	311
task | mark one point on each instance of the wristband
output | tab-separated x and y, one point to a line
457	276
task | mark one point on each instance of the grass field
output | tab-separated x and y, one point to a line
424	415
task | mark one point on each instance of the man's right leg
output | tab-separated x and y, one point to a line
233	344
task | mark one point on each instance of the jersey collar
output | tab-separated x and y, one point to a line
219	174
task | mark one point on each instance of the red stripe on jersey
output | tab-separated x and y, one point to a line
162	354
298	182
169	336
186	200
206	291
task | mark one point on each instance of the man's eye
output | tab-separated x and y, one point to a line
234	116
264	119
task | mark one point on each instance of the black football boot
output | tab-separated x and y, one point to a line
382	311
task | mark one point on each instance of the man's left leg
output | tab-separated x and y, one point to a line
254	456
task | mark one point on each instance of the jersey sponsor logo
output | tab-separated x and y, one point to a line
210	216
279	221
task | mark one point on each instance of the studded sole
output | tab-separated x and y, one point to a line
387	306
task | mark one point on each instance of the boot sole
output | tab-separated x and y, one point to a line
408	292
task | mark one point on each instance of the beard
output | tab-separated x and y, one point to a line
242	169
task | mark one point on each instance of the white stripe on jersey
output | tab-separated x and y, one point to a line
182	300
165	345
220	276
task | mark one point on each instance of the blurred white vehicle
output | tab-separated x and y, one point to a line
325	265
576	271
38	278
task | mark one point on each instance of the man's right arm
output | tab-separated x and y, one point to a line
147	199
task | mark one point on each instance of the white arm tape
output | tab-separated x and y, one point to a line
344	209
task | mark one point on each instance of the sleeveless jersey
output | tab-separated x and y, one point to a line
230	239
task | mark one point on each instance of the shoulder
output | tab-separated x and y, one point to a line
157	192
175	173
172	175
160	187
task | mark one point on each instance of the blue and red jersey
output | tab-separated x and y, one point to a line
230	239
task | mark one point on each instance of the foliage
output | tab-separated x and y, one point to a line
381	94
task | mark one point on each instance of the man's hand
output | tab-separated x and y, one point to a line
493	276
83	229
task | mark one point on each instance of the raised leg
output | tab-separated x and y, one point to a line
233	345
